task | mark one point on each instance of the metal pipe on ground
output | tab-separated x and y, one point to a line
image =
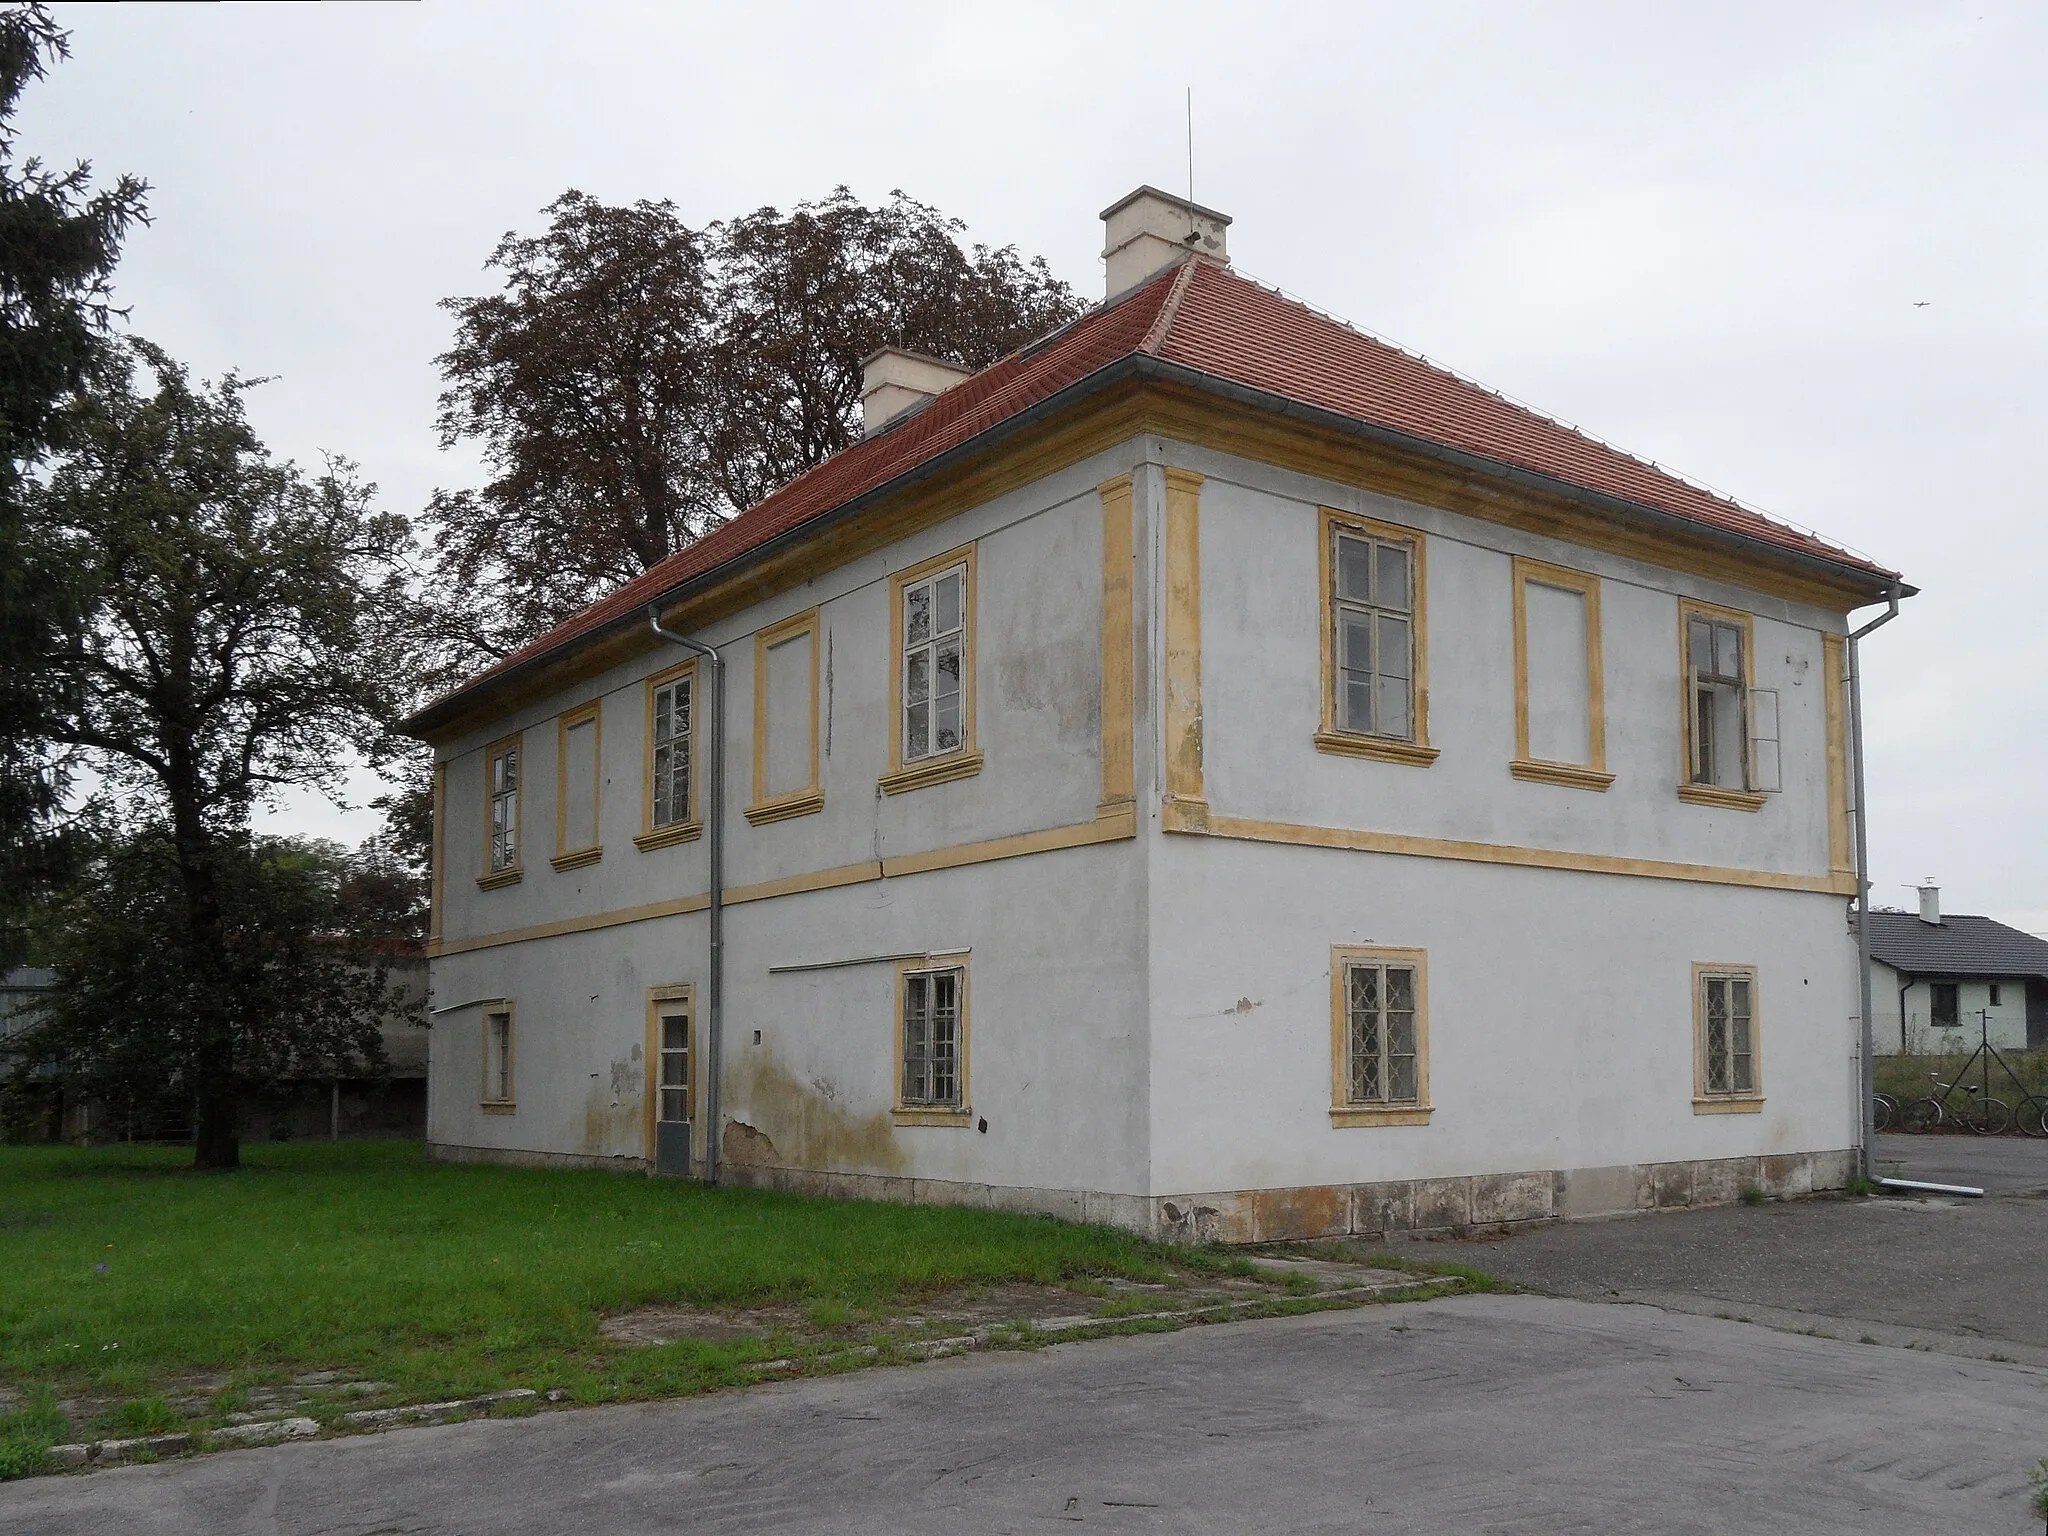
1917	1187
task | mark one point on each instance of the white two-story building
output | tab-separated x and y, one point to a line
1210	772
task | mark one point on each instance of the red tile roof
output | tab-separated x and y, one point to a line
1209	319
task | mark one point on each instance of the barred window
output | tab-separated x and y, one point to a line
497	1086
932	1039
1383	1050
1726	1025
670	737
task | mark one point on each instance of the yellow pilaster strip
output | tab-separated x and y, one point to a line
1183	713
1834	669
1119	644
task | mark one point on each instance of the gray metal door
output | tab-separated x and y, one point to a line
672	1104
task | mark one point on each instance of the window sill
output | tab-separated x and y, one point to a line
492	1107
502	878
1724	799
957	1117
1728	1106
1384	749
578	859
668	836
934	770
1353	1114
1570	775
803	803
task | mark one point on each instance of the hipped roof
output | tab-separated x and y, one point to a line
1204	325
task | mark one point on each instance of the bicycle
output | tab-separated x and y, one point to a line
1980	1113
2032	1115
1884	1111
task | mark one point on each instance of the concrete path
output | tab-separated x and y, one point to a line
1477	1414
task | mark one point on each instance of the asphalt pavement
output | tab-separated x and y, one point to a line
1475	1414
1948	1275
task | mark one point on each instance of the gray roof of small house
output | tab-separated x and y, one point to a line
1956	946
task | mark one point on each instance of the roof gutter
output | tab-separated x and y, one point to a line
1139	365
1867	1073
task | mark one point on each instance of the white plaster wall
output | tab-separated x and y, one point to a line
1057	974
1560	1016
2008	1021
1057	1042
1262	690
1037	680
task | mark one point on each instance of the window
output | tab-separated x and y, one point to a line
1995	1000
1375	699
1726	1071
671	804
1379	1036
577	767
497	1086
786	721
1730	726
932	1014
932	609
1945	1009
501	826
1560	711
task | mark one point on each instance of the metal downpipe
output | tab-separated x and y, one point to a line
714	1012
1868	1073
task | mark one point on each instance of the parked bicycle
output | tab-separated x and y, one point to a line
1884	1111
1978	1112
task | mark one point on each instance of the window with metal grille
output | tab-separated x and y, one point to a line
931	1039
674	1105
934	658
670	743
1382	1042
504	783
498	1058
1372	606
1727	1015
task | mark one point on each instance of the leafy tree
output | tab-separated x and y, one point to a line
636	381
59	240
135	1023
246	628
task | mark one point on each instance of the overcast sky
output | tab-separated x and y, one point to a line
1793	252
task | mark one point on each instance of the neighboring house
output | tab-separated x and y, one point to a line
1943	983
1210	772
19	988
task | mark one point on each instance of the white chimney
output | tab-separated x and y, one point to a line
1150	230
1930	904
893	380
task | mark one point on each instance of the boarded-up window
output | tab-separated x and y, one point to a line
577	782
1560	714
786	720
1560	693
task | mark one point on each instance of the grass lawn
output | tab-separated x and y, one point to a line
131	1283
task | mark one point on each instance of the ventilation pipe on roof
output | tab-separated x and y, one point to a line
1150	230
1869	1064
1930	904
893	380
